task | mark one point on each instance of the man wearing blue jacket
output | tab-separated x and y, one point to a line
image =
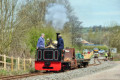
41	42
60	42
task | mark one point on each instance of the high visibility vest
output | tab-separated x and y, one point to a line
106	54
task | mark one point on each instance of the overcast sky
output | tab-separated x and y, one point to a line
97	12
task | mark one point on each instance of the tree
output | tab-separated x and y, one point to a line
74	24
114	37
7	19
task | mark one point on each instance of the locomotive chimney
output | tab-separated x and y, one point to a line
57	36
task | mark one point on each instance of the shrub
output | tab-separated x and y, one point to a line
92	47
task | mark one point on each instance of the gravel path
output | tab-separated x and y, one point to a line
109	74
75	73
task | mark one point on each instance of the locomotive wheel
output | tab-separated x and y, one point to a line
62	70
85	64
46	71
79	66
36	71
56	71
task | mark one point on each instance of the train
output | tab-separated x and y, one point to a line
54	59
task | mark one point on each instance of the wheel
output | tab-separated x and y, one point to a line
85	64
46	71
62	69
36	71
79	66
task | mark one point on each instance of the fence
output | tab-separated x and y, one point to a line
12	63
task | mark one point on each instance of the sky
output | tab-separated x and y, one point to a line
97	12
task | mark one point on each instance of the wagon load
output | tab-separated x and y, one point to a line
88	56
83	59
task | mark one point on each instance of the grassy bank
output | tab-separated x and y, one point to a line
11	73
116	57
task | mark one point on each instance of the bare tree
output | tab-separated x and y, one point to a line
7	18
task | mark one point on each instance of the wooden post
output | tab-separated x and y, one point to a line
4	62
24	65
18	64
12	63
30	60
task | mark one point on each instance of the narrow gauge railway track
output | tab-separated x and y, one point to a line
32	74
93	65
22	76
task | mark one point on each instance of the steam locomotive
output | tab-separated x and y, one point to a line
54	59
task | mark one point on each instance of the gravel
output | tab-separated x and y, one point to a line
74	73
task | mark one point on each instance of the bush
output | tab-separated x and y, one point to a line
92	47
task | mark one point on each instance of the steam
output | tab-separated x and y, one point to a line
56	14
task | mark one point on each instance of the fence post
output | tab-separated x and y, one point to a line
4	62
12	63
24	65
30	60
18	64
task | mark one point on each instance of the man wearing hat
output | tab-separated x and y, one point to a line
60	44
41	41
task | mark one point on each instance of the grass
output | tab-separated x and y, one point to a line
11	73
116	57
3	72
